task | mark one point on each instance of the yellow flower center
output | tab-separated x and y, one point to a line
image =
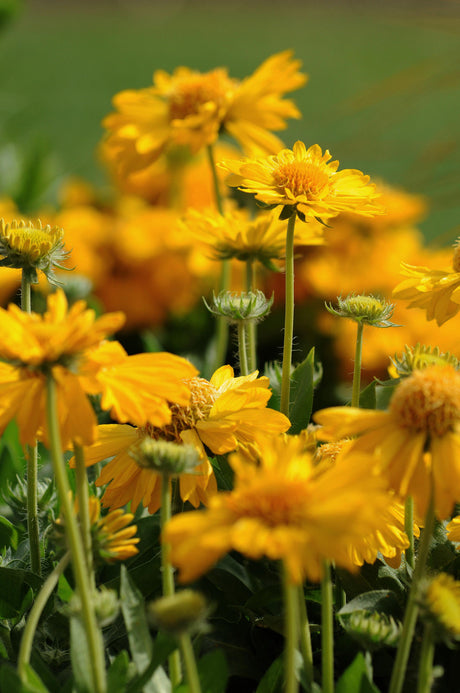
274	501
428	400
301	178
192	93
456	258
443	599
203	396
31	240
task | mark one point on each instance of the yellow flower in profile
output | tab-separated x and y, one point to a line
113	535
190	108
222	414
453	530
69	344
282	509
238	235
435	291
441	606
416	442
302	179
30	246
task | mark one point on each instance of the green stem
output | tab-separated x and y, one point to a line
327	631
36	611
242	348
409	529
305	636
190	663
410	616
225	274
81	479
93	633
425	671
252	327
167	573
357	367
33	527
291	632
288	318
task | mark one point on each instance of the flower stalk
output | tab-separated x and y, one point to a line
305	636
425	671
327	631
82	492
357	365
188	654
291	632
288	318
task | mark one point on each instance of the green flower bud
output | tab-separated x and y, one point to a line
419	357
237	306
166	457
367	310
371	628
182	612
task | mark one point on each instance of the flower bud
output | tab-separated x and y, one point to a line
371	629
367	310
166	457
236	306
182	612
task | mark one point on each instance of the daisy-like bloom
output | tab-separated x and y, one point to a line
418	357
30	246
191	108
113	535
440	601
453	531
69	344
436	291
238	235
416	442
280	508
304	182
222	414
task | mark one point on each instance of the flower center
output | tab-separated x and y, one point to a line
29	240
301	178
428	400
456	258
273	501
192	93
203	396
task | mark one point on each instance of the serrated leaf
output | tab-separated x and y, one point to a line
302	388
356	678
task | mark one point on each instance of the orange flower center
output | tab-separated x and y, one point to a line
301	178
428	400
456	258
191	94
274	501
203	396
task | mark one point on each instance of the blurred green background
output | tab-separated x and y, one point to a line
383	95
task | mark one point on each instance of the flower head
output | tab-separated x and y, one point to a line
190	108
304	182
436	291
30	246
245	306
367	310
440	602
416	442
113	535
279	508
69	344
418	357
222	414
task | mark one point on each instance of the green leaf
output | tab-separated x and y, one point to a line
383	601
302	388
367	398
287	212
32	683
356	678
117	675
272	680
16	591
80	656
140	641
8	534
212	673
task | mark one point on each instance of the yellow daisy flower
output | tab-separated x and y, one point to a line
417	441
280	508
436	291
191	108
303	180
441	606
112	534
238	235
69	344
222	414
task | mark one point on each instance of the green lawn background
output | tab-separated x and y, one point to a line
383	96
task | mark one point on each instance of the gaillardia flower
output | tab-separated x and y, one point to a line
303	182
191	108
416	442
30	246
436	291
69	344
223	413
280	508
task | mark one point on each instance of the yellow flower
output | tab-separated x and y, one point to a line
69	344
238	235
436	291
30	246
453	531
303	180
280	508
223	413
191	108
417	441
441	605
112	534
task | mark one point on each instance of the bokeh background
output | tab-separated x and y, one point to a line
383	94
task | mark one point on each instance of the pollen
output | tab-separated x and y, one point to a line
192	94
29	239
203	396
428	400
456	258
302	178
